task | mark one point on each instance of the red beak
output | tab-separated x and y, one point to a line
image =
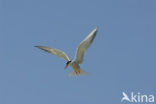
66	66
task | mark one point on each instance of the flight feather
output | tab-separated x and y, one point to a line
54	52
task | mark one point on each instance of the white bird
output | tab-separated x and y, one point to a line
84	45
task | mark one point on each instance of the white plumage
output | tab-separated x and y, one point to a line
82	48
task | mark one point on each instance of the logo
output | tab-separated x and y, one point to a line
137	97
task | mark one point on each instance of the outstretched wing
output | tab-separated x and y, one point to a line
54	52
84	45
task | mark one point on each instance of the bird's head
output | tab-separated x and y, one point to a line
67	64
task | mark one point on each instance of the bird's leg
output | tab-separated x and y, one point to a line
77	72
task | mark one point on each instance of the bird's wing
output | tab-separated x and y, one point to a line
84	45
54	52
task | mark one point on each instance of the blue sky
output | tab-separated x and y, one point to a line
121	58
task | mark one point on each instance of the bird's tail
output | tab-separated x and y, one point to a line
79	72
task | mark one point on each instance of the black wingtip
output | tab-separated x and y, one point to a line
36	46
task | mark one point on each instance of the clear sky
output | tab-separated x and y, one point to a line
121	58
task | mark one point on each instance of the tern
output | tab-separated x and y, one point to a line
82	48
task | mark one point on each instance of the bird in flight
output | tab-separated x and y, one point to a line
82	48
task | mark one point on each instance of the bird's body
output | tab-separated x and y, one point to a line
84	45
75	65
76	69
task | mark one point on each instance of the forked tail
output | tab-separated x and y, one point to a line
79	72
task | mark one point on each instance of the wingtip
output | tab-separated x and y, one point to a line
96	27
35	46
